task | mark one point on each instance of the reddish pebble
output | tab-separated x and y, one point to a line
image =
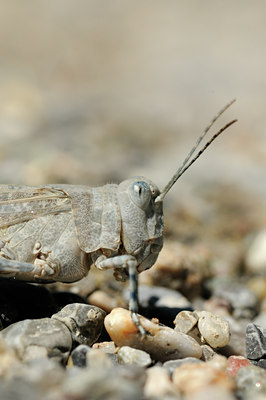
235	363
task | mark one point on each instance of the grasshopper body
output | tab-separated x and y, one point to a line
56	232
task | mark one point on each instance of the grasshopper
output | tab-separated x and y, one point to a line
54	233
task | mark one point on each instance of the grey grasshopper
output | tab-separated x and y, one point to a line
55	233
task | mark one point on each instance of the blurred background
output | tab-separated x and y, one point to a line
99	91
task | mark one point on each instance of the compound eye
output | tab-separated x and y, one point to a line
140	194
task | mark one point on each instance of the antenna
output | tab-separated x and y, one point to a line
184	165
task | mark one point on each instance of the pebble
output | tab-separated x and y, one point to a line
158	385
171	365
37	338
191	378
161	342
255	342
107	347
235	363
251	382
185	321
96	358
78	355
204	327
84	321
207	352
213	329
129	356
255	259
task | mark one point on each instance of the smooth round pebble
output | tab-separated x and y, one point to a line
214	329
129	356
161	342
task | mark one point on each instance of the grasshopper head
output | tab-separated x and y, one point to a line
142	220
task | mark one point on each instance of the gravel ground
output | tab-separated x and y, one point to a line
96	92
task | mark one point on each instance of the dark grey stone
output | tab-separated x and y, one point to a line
255	342
84	321
78	355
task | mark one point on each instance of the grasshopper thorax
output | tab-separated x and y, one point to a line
142	220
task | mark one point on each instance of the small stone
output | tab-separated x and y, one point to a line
53	338
185	321
251	381
161	342
213	329
207	352
84	321
107	347
99	359
235	363
158	385
191	378
256	254
171	365
78	355
255	342
129	356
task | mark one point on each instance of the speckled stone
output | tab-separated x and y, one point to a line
255	342
84	321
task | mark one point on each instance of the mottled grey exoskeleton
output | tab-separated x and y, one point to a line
56	232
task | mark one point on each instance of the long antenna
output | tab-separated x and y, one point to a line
184	165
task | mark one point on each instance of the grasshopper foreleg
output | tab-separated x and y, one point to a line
124	263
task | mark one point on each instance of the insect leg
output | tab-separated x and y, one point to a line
24	270
130	263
